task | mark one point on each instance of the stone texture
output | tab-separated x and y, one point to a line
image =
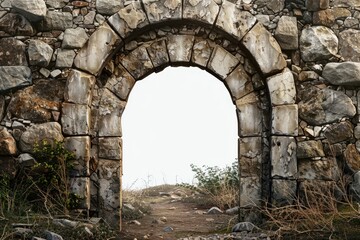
110	148
40	53
234	21
239	83
322	106
352	158
7	143
180	48
158	53
318	43
37	102
222	62
65	58
56	21
285	120
248	108
109	184
79	88
55	3
120	83
108	7
344	74
349	45
128	19
310	149
75	119
138	63
16	24
93	55
328	17
202	10
74	38
12	52
286	33
34	10
50	131
354	187
2	107
250	192
346	3
283	157
13	77
250	155
274	6
339	132
264	49
81	187
283	192
321	170
202	50
282	88
316	5
158	11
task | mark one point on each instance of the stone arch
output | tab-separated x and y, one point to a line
223	40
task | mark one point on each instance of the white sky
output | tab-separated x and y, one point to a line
174	118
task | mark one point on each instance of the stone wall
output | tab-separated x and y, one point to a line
291	67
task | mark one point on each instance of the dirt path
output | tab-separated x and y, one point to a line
171	219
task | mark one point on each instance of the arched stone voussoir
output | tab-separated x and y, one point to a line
120	82
264	49
204	11
180	48
222	62
202	51
162	10
282	88
248	107
239	83
100	46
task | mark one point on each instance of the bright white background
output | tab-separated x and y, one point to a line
174	118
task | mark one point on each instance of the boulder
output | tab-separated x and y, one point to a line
40	53
65	58
339	132
310	149
15	57
316	5
286	33
16	24
13	77
34	10
56	21
74	38
108	7
352	159
328	17
345	73
7	143
349	45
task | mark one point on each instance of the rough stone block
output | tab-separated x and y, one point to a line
56	21
180	48
12	52
12	77
162	10
110	148
249	117
120	83
349	45
202	50
75	119
202	10
222	62
81	147
250	192
325	169
285	120
79	87
138	63
283	157
81	188
158	53
286	33
310	149
282	88
316	5
283	192
239	83
7	143
250	155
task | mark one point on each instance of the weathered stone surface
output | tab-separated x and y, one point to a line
74	38
265	50
202	10
352	158
321	169
158	11
286	33
308	76
120	83
56	21
282	88
108	7
318	43
354	187
16	24
138	63
128	19
222	62
283	157
75	119
177	53
55	3
202	50
92	57
12	77
50	131
110	111
81	187
273	5
346	3
109	184
234	21
34	10
2	107
7	143
283	192
310	149
37	102
40	53
158	53
250	190
65	58
81	147
244	226
110	148
339	132
322	106
328	17
250	155
249	109
349	45
12	52
285	120
53	236
345	73
316	5
79	87
239	83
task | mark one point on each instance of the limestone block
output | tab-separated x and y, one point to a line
158	53
128	19
109	183
286	33
7	143
339	132
234	21
222	62
34	10
162	10
326	169
250	151
56	21
74	38
249	117
310	149
79	87
81	188
110	148
108	7
265	50
316	5
40	53
180	48
283	192
202	10
283	157
12	52
12	77
16	24
65	58
137	63
75	119
92	57
344	74
349	45
110	111
202	50
239	83
120	83
285	120
282	88
81	147
250	192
